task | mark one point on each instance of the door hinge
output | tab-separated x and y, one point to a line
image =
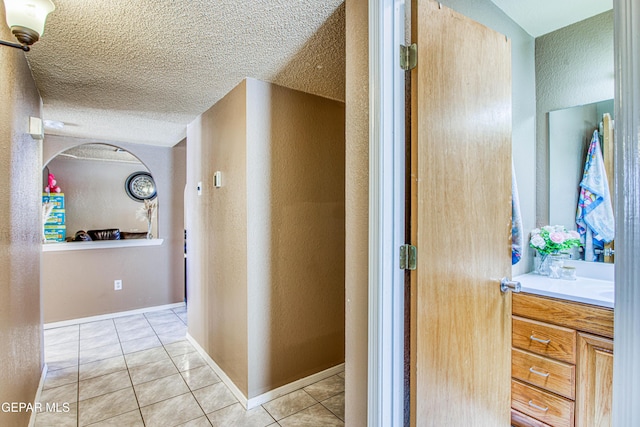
408	56
408	257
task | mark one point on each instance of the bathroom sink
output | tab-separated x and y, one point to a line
607	294
588	290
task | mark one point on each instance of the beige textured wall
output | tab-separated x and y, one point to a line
20	157
79	284
151	275
266	251
95	197
574	66
217	234
295	204
357	212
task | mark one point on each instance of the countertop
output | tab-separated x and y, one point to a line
594	284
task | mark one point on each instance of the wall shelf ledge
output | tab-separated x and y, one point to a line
99	244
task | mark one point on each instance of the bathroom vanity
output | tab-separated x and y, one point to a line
562	349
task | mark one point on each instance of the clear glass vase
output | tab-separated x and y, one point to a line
549	264
541	264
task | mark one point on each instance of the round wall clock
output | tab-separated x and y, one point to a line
140	186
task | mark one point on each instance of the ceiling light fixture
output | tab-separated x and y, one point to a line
26	19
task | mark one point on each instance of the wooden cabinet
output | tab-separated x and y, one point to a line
594	389
562	363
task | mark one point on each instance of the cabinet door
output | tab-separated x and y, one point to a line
595	383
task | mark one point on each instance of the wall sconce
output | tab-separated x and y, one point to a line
26	19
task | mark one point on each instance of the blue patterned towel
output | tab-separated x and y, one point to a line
594	213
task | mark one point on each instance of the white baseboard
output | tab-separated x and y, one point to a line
32	418
218	370
293	386
270	395
111	315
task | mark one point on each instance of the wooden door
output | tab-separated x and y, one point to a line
461	221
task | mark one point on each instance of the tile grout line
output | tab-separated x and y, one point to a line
174	363
181	377
78	384
129	374
293	413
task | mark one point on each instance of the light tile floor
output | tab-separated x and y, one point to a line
141	371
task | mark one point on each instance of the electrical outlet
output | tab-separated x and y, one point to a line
117	285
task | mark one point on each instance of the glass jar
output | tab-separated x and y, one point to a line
568	273
556	263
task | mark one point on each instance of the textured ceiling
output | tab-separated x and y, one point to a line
100	152
140	70
544	16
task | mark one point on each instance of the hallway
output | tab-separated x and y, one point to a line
140	370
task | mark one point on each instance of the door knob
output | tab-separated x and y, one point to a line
509	285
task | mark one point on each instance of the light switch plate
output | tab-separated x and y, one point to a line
36	130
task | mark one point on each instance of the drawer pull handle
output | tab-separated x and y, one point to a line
542	374
533	338
540	408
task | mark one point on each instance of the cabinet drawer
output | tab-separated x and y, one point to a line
546	407
542	338
583	317
518	419
557	377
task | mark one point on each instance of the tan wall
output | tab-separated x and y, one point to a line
295	174
217	234
266	251
20	322
357	212
574	66
95	197
151	275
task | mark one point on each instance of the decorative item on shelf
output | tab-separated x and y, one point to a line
52	186
140	186
552	240
147	213
47	208
53	212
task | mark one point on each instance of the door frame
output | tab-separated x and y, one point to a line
626	375
386	213
386	188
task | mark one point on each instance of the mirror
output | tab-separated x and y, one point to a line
570	134
96	180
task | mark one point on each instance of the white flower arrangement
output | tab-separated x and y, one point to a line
553	238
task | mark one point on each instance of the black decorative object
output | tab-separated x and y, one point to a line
140	186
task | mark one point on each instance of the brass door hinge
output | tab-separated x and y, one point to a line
408	56
408	257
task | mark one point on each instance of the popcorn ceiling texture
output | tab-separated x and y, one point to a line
140	70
